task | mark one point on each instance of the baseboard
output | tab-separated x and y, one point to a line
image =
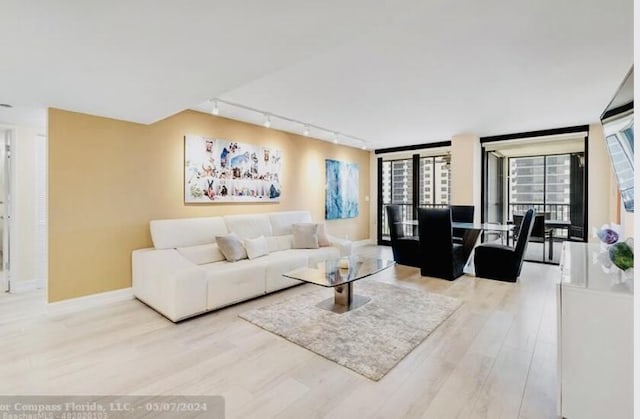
90	301
24	286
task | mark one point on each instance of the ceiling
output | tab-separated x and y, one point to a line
390	72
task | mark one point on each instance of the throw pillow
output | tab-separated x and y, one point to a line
305	236
231	247
323	238
256	247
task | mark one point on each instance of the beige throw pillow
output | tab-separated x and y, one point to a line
231	247
305	236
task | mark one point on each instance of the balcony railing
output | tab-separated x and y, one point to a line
555	211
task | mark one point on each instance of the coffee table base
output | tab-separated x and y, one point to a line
343	300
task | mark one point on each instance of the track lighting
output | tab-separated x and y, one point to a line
321	132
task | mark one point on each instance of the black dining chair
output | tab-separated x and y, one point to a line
441	258
539	232
461	214
503	263
406	249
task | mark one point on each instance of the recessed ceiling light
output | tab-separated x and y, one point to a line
5	105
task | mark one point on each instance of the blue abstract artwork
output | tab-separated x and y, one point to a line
341	200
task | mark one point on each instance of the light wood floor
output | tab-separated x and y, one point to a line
493	358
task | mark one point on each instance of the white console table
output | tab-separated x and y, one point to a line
595	338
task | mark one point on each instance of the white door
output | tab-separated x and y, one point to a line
5	199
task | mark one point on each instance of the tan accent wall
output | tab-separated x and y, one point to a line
602	190
466	171
109	178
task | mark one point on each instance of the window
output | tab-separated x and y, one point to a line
397	188
432	187
434	178
541	182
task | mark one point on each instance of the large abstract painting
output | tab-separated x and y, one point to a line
217	170
341	199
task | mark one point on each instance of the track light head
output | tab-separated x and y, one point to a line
215	110
267	121
305	132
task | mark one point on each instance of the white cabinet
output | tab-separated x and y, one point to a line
595	338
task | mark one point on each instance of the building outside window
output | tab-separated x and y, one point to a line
434	182
541	182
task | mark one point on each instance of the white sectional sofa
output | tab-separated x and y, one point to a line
185	274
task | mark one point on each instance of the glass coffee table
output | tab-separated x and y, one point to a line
340	274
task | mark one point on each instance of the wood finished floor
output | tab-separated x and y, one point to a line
495	357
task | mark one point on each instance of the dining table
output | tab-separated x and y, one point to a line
484	227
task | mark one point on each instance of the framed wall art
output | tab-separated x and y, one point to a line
342	188
218	170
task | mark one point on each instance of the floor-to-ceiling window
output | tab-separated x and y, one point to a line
397	189
413	182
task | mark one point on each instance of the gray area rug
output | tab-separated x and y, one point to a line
371	339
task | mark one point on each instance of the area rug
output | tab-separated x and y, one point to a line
371	339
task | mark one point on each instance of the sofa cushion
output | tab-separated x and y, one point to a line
249	226
202	254
231	247
280	263
229	283
305	236
256	247
281	222
279	243
184	232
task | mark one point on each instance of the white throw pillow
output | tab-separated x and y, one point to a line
202	254
305	236
323	238
231	247
256	247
